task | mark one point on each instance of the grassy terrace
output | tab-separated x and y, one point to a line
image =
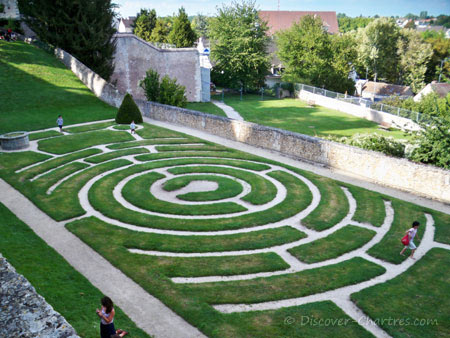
297	116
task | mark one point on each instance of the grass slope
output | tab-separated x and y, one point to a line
42	89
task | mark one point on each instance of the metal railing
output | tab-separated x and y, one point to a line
379	106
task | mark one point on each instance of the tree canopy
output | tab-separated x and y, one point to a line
239	45
182	35
377	49
83	28
310	55
414	56
144	24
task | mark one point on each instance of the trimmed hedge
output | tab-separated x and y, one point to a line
128	111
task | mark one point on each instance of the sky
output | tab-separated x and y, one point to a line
349	7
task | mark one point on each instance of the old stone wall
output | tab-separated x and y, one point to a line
100	87
360	111
23	312
135	56
402	174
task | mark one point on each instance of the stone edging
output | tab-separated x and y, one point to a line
24	313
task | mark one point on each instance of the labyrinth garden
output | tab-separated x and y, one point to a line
236	244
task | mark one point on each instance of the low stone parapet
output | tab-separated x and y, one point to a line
23	312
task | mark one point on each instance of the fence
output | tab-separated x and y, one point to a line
414	116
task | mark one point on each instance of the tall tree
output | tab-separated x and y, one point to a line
200	25
239	45
160	32
310	55
414	56
145	23
441	51
377	50
83	28
182	34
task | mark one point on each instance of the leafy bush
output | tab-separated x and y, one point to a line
427	105
172	93
2	8
150	84
289	86
128	111
167	91
376	142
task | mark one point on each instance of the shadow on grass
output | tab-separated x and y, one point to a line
42	88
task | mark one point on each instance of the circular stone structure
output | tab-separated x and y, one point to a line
14	141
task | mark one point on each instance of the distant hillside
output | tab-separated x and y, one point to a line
35	87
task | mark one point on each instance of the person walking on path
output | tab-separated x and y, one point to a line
133	127
106	315
412	232
60	122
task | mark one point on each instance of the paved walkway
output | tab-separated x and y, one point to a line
149	313
229	111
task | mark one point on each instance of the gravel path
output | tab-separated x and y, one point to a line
229	111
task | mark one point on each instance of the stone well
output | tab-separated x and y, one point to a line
14	141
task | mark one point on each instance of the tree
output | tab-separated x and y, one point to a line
310	55
83	28
200	25
128	111
144	24
160	32
166	91
423	15
182	34
433	140
239	45
441	50
343	61
150	84
347	24
411	16
377	50
414	56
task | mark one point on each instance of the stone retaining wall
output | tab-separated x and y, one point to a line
360	111
23	312
402	174
100	87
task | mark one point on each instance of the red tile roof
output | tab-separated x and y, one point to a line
279	20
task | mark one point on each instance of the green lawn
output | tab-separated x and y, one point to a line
64	288
338	243
206	107
36	88
297	116
417	301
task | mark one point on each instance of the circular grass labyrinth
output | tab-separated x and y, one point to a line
228	229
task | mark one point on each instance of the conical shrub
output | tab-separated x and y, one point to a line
128	111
